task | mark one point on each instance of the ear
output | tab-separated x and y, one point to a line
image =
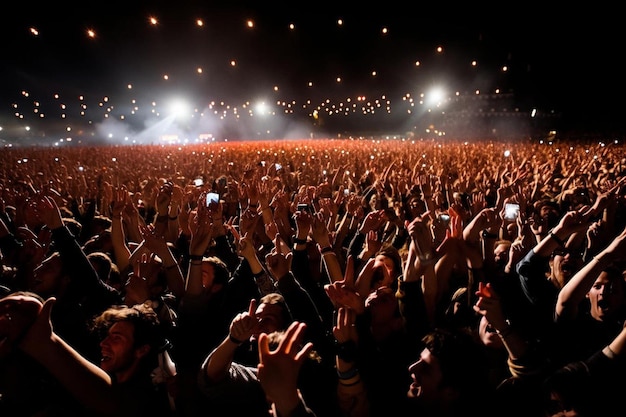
142	351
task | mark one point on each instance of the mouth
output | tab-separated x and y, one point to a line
105	357
415	390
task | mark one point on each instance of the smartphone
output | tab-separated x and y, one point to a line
304	207
278	167
198	182
444	217
212	198
511	211
346	192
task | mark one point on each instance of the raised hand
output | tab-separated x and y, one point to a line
278	369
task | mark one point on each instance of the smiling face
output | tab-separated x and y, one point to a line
120	356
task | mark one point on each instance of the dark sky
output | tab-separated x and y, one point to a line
562	61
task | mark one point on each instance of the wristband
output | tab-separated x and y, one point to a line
488	235
234	339
350	373
162	218
299	241
195	257
327	249
173	218
557	240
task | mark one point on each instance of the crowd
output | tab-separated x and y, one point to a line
345	278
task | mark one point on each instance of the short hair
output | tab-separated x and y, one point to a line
102	264
221	274
275	298
148	330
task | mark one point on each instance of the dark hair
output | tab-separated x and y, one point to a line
460	359
221	274
142	316
275	298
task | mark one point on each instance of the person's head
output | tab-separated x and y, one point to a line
74	226
459	313
49	277
449	372
100	242
548	212
607	296
215	274
18	310
501	253
382	305
387	257
102	263
568	392
131	339
272	313
564	263
487	334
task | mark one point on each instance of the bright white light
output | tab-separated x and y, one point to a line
179	107
435	96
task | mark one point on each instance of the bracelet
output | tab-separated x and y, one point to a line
349	374
488	235
299	241
350	384
234	339
196	257
173	218
557	240
327	249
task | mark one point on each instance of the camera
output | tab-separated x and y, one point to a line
511	211
198	182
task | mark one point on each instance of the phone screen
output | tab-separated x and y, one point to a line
212	198
511	211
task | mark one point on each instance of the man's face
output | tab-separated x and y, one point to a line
270	318
118	350
427	378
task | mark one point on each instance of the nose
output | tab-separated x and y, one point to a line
414	367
